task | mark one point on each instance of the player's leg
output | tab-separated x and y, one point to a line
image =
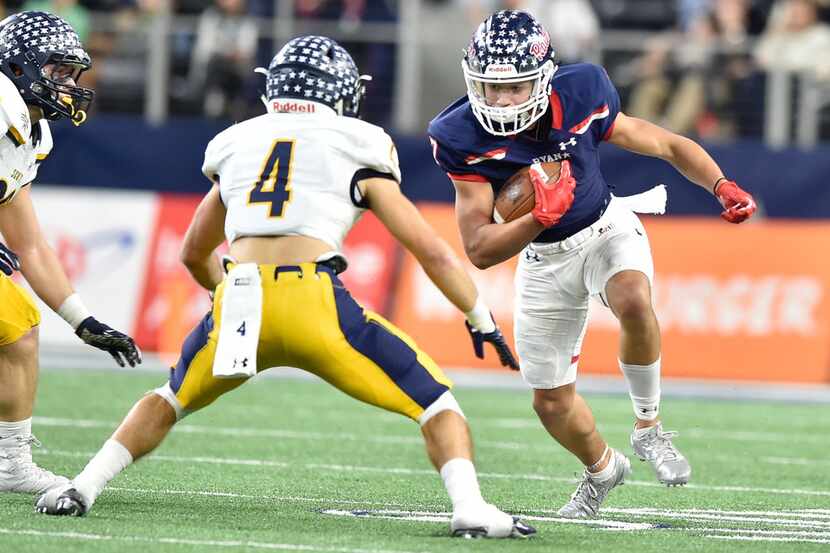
550	323
18	384
191	387
373	361
620	270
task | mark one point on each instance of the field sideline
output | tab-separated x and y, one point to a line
294	465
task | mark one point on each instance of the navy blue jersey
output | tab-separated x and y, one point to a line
583	107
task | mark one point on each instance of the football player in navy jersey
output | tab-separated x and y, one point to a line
579	241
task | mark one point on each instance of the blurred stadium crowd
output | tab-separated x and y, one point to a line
698	67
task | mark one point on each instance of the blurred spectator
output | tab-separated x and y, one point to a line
478	10
373	58
226	40
795	39
669	78
573	26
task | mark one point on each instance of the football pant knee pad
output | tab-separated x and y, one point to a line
168	395
445	402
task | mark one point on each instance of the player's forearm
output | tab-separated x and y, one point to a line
491	244
45	274
688	157
207	271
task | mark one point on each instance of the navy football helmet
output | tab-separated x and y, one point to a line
31	40
317	69
509	47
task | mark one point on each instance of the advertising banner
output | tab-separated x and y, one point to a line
748	302
101	239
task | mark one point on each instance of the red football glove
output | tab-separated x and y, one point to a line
553	199
738	204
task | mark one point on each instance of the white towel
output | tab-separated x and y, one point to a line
241	321
652	200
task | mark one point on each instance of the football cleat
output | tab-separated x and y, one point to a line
487	521
590	494
18	473
656	447
62	502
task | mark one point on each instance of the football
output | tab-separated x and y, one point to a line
516	197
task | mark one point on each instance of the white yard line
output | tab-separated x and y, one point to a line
697	515
415	439
401	470
423	516
766	538
181	541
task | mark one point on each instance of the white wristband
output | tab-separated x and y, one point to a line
73	311
479	317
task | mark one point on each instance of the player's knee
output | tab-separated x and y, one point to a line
554	403
445	402
629	296
165	401
24	348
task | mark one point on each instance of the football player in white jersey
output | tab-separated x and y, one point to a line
288	187
41	59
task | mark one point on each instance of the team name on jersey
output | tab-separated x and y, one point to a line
548	158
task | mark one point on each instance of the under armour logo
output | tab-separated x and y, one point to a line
571	142
532	256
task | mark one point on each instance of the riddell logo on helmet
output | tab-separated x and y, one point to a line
501	68
293	107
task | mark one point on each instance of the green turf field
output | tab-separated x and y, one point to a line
293	465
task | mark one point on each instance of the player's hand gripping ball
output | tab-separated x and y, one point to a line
545	189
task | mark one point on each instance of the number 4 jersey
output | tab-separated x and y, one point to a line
295	172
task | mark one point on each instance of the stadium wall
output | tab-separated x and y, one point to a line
748	302
123	153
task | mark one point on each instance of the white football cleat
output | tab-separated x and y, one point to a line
483	520
18	473
655	447
590	494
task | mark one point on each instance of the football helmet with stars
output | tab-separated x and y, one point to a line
509	47
315	69
29	42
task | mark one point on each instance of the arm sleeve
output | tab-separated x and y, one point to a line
453	162
376	156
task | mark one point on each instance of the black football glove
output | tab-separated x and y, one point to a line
9	261
495	338
119	345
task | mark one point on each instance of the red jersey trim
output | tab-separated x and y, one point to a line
599	113
610	131
555	110
468	177
498	153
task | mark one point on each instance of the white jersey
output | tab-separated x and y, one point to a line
296	173
19	153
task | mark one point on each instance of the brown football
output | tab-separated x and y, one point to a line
516	197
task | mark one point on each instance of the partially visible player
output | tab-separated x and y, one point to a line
579	241
41	60
288	187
